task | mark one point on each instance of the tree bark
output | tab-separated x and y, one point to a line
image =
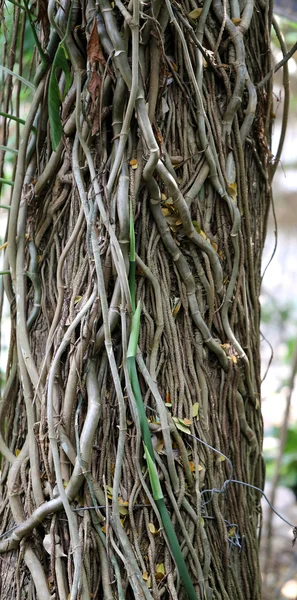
163	136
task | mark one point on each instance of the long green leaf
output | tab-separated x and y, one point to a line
153	475
12	117
6	149
19	77
175	549
54	96
134	335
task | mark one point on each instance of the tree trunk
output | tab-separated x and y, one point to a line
149	131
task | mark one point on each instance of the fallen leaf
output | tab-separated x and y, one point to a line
152	529
236	20
47	544
133	163
192	466
165	211
195	14
232	190
176	309
220	458
109	491
195	410
160	571
94	86
181	426
94	50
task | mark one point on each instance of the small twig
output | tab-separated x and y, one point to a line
278	66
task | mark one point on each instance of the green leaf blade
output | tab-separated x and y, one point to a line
54	96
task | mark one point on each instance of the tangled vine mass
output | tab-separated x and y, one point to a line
140	176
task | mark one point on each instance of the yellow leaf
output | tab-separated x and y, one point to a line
187	422
103	528
166	212
145	576
236	20
232	190
152	528
133	163
202	522
192	466
160	571
200	468
123	502
195	14
77	299
220	458
203	234
231	531
17	452
163	197
123	510
234	359
215	246
122	521
176	309
195	410
109	491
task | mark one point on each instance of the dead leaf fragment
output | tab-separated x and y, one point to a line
133	163
195	14
152	529
94	51
47	544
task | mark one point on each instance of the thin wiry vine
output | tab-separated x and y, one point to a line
152	106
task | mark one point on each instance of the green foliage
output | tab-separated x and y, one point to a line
54	96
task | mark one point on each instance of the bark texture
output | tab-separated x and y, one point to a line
163	127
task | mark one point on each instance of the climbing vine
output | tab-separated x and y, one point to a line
140	178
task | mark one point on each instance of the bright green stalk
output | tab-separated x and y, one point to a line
7	181
150	458
175	549
19	77
8	116
169	529
7	149
132	259
134	335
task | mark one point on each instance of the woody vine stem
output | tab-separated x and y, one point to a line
141	177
